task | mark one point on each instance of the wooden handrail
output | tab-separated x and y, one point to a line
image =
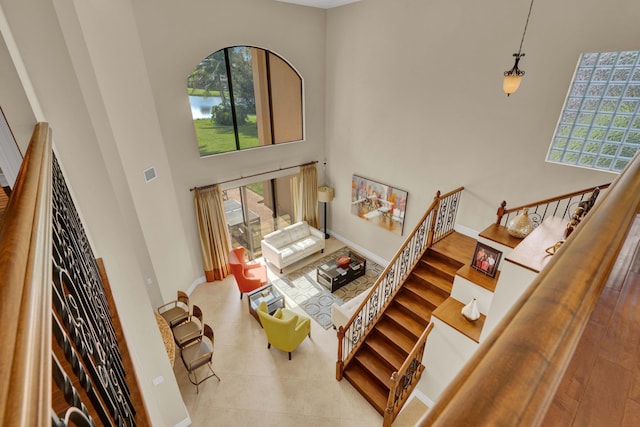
25	388
502	209
512	377
400	390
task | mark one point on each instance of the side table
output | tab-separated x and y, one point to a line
270	295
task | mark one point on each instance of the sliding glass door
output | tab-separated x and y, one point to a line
257	209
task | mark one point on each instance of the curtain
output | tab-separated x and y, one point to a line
215	242
305	195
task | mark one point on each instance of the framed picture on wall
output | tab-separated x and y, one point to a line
486	259
379	204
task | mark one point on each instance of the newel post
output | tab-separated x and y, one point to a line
390	411
434	218
340	362
501	210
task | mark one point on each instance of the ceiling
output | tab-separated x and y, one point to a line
323	4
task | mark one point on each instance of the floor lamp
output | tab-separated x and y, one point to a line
325	195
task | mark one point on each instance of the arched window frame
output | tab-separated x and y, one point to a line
263	110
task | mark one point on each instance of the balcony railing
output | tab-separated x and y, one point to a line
63	360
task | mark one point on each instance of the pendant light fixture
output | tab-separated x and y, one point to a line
513	77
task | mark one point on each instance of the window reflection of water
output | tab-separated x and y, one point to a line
201	106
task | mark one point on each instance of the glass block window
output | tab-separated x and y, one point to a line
599	127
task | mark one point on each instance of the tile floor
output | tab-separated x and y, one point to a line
260	386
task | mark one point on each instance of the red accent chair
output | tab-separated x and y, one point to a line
248	276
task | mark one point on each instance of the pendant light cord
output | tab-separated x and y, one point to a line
525	27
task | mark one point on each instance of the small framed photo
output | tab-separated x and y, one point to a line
486	259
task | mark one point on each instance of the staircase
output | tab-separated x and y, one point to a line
406	317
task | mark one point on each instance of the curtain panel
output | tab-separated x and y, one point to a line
305	195
215	241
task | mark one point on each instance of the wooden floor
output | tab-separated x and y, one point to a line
3	203
602	384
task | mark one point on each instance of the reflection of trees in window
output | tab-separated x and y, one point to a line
251	97
258	209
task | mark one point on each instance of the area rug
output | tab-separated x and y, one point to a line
301	287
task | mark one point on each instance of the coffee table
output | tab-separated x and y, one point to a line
333	277
269	294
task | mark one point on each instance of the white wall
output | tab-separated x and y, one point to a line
414	100
14	102
176	38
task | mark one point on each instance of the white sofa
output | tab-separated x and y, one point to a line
340	314
293	243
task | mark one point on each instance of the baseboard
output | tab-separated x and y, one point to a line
422	397
184	423
466	231
362	251
194	285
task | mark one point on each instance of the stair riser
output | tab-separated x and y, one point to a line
378	369
431	282
364	390
394	342
418	313
382	348
422	295
409	325
451	264
437	270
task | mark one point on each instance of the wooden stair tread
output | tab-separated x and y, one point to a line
499	234
408	300
446	271
436	281
456	246
394	335
379	345
405	320
439	262
423	291
450	313
375	366
479	278
370	388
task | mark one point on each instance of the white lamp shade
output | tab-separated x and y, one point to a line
325	194
510	84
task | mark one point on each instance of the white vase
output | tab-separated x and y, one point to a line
521	225
470	311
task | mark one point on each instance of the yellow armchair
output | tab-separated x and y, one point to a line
285	329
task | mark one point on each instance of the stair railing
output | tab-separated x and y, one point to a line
560	206
404	380
437	223
513	376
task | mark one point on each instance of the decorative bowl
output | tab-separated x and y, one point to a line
343	261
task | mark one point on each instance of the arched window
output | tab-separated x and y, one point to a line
244	97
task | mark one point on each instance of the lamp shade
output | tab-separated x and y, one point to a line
325	194
511	83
